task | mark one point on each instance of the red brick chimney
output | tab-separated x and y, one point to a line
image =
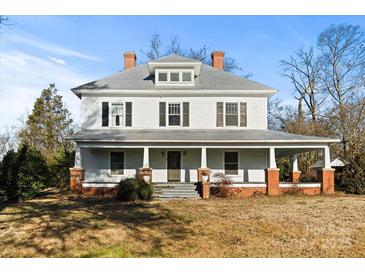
129	60
218	59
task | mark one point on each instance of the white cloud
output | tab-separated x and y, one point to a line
58	61
23	76
48	46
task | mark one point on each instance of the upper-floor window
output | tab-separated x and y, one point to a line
231	114
117	113
174	114
174	76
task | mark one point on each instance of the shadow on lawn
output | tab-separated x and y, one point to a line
56	217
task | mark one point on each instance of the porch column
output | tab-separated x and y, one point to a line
146	157
272	175
204	174
327	175
294	175
145	172
78	157
203	162
77	173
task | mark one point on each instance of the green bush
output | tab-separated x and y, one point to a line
24	173
144	191
60	168
132	189
353	176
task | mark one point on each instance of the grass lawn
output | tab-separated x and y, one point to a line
64	225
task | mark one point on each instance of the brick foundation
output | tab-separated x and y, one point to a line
301	190
77	177
272	181
327	177
145	171
294	176
245	192
100	191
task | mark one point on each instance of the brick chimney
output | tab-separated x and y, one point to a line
129	60
218	59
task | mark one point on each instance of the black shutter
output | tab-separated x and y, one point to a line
162	114
185	114
105	114
128	114
243	114
219	114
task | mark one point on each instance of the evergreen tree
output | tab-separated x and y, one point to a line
48	125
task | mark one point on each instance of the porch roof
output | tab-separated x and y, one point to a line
196	136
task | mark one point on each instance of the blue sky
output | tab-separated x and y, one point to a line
71	50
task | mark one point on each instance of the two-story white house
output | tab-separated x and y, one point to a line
175	119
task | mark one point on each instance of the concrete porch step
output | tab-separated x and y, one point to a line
164	191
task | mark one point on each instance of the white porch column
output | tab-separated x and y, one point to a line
295	163
146	157
203	162
326	157
78	157
272	161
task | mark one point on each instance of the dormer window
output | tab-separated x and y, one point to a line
174	76
162	77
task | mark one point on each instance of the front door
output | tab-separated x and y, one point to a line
173	166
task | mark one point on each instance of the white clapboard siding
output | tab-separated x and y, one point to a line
145	111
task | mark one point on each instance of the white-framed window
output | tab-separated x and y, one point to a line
162	76
174	76
174	114
231	163
231	114
117	162
117	114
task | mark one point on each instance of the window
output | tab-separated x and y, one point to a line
117	112
231	114
174	114
186	77
174	77
117	163
162	76
231	163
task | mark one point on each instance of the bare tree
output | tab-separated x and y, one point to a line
156	50
343	71
303	71
8	140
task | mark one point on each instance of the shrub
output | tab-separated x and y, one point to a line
59	168
24	173
128	190
353	176
132	189
223	182
144	191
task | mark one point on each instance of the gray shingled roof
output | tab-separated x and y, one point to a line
138	78
174	58
192	135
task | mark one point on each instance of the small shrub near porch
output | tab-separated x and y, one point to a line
132	189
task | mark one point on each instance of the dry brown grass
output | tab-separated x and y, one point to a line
289	226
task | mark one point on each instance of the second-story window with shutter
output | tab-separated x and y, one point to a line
105	114
162	115
174	114
117	114
231	117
